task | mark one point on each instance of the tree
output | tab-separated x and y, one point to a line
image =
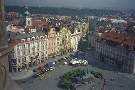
84	73
66	84
87	71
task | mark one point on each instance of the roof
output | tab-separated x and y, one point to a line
119	37
29	35
17	39
39	23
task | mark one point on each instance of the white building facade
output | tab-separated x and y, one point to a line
28	52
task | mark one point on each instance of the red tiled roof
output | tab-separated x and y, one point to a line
119	37
39	23
15	22
14	43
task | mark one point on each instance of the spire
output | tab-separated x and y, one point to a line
27	13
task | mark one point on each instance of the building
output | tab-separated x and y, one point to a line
42	38
63	41
28	50
12	15
52	37
76	35
116	49
15	29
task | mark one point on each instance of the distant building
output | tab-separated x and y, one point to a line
12	15
15	29
93	23
115	48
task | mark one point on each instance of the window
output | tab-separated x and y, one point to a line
19	60
78	30
24	46
28	22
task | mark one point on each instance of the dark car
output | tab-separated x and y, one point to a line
49	66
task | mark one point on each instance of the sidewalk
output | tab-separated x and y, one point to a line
51	59
21	75
26	74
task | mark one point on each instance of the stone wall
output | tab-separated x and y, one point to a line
5	82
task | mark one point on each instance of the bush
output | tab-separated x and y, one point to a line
69	79
66	84
97	75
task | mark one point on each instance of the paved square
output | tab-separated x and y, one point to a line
114	80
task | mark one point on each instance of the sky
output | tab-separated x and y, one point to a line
115	4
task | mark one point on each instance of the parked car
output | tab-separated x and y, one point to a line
50	66
78	62
65	63
84	62
39	68
74	62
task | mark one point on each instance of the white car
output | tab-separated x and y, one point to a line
81	62
53	63
65	63
85	62
73	62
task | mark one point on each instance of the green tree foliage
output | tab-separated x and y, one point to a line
97	74
69	79
66	84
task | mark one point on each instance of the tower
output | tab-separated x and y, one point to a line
28	21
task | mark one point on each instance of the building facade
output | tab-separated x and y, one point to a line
52	37
116	49
41	39
28	50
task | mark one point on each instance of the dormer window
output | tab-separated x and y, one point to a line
42	37
37	38
33	38
28	39
28	22
79	30
23	40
